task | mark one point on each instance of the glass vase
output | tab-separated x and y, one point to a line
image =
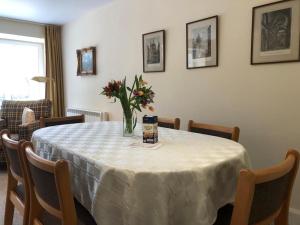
128	125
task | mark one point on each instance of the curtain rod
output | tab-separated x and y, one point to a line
24	21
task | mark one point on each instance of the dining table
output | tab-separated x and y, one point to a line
182	180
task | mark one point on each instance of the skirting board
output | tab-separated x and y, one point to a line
294	216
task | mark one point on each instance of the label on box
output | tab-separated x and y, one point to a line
150	131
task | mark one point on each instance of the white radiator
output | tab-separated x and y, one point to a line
90	116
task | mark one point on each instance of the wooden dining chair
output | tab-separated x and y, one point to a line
52	201
169	123
231	133
54	121
264	196
17	196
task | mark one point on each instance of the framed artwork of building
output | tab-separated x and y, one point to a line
202	43
86	61
154	52
276	32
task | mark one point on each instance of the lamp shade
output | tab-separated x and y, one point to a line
42	79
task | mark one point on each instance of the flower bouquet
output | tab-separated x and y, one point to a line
136	97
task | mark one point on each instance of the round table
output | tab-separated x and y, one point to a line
181	181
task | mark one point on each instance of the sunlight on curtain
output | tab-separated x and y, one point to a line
21	58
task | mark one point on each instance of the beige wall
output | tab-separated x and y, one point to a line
21	28
262	100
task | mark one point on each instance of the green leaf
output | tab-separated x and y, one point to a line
138	107
135	121
137	82
131	90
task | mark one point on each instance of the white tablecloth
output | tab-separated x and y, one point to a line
183	182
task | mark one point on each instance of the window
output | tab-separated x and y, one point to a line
21	58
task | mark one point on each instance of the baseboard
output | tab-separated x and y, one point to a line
294	216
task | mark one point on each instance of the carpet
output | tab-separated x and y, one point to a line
3	184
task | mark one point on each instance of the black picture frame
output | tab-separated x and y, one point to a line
155	67
215	62
81	70
253	59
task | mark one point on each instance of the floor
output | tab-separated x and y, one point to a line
3	183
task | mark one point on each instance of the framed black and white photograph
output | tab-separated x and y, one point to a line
86	61
154	52
275	32
202	43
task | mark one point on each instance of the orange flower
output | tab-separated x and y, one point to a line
140	93
151	108
142	82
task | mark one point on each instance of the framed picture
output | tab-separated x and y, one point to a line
86	59
154	52
202	43
275	32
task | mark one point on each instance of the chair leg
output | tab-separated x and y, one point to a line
34	211
9	212
9	206
26	215
281	220
283	217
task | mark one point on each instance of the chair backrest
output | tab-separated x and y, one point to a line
50	188
231	133
263	196
12	111
169	123
48	122
18	192
12	151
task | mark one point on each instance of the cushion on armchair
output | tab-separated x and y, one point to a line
28	116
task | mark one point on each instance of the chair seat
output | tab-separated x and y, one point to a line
83	216
224	215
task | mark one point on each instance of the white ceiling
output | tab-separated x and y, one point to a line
47	11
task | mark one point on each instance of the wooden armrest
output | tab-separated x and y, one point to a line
47	122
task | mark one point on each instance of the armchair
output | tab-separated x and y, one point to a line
11	118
